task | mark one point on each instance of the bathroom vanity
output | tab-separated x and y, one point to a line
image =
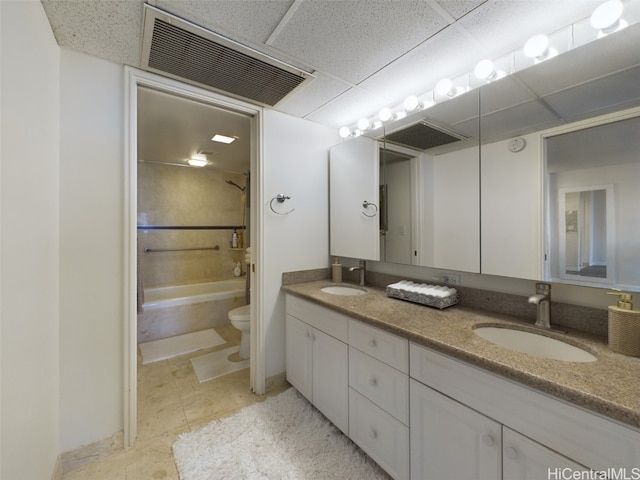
426	397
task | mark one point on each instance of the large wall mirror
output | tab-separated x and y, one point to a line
474	203
592	178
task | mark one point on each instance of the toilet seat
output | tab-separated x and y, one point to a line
241	313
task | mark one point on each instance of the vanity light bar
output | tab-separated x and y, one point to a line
605	19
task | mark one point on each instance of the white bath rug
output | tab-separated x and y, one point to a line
283	437
215	364
164	348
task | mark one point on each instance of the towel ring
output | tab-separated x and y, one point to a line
366	204
280	198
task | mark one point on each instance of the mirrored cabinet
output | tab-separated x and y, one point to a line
530	176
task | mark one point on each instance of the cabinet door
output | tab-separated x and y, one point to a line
451	441
299	356
525	459
354	167
330	378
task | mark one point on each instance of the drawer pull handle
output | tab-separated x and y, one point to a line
488	440
373	343
511	453
373	433
373	382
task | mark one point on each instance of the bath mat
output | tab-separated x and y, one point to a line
164	348
216	364
283	437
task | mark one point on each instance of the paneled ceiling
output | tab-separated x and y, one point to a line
363	54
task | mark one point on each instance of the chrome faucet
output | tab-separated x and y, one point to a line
542	299
362	267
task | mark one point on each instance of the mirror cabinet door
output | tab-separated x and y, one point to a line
354	209
593	173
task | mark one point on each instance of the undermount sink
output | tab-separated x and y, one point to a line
534	344
343	290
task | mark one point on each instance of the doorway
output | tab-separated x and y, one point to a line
163	154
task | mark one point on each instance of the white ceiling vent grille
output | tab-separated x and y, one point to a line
182	50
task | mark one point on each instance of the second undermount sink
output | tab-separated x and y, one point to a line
534	344
343	290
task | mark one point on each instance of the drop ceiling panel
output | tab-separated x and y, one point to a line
251	20
494	21
419	70
611	93
459	8
109	30
518	120
352	40
354	103
312	96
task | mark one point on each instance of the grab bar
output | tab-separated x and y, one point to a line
191	227
152	250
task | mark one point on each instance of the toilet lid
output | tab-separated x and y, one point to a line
240	313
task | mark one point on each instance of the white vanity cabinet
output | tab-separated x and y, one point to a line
478	425
379	396
451	441
525	459
317	358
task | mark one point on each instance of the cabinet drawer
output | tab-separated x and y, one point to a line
385	386
324	319
381	436
384	346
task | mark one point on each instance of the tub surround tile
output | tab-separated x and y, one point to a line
608	386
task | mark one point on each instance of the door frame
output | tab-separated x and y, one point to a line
133	79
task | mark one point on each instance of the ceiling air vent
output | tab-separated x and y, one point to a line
423	136
174	47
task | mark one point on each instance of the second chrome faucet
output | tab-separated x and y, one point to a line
362	267
542	299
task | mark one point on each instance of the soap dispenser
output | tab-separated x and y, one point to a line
336	271
624	325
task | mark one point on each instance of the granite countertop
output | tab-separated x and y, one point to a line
609	386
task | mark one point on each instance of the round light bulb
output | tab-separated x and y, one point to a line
445	87
537	46
484	70
344	132
607	15
411	103
363	123
385	114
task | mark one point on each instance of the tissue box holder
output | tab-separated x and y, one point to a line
422	299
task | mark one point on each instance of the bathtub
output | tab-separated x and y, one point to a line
177	309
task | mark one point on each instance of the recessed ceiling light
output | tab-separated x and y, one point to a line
222	138
197	162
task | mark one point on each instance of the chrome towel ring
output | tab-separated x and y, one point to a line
366	205
280	198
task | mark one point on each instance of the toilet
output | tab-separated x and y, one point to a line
241	318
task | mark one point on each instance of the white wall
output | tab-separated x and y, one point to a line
91	253
296	164
29	243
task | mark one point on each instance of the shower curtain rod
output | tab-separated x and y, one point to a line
193	227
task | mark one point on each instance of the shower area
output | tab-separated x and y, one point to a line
193	234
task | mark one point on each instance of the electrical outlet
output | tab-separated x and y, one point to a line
451	278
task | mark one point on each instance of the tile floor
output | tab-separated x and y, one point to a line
172	401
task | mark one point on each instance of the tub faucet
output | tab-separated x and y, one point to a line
362	267
542	299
